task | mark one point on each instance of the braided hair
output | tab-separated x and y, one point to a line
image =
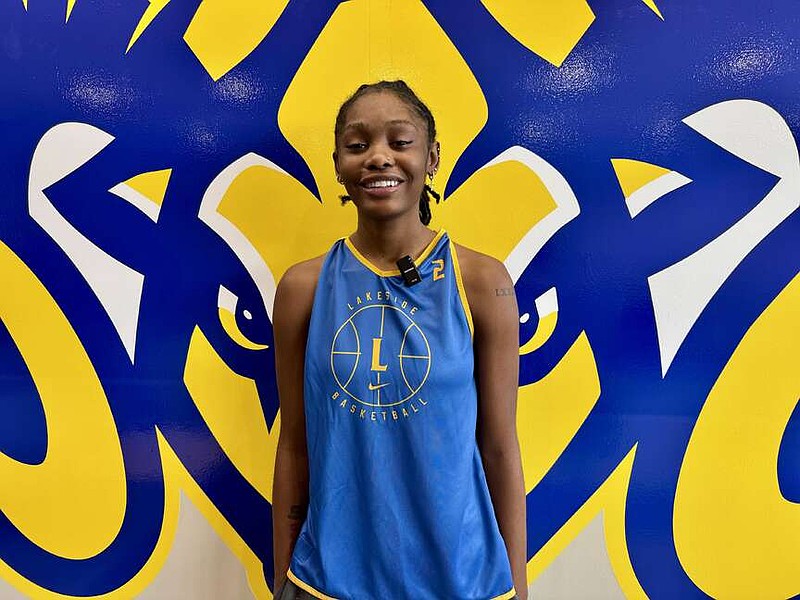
400	89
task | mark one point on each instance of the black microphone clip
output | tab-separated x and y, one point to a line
408	270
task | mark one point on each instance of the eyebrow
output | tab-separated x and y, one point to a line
362	125
403	122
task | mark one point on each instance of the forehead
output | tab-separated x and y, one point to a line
380	109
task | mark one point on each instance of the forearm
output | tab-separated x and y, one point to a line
289	506
504	477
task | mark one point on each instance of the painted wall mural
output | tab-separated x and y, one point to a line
633	162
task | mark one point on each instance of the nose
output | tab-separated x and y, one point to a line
380	157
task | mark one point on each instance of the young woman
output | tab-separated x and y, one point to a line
398	472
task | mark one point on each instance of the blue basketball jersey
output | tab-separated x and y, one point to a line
399	506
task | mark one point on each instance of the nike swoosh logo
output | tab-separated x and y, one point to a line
374	387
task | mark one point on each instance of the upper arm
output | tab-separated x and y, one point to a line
493	304
294	298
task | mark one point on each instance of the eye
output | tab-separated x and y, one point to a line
226	303
356	146
402	143
547	310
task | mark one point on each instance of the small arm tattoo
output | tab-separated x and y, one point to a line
504	291
297	512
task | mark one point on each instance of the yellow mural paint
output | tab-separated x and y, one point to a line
73	503
152	11
608	499
231	408
550	29
434	69
154	563
728	504
635	174
177	478
546	327
616	490
223	33
652	5
506	197
70	7
228	321
152	185
550	411
549	414
169	527
276	214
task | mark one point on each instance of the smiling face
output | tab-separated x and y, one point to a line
383	154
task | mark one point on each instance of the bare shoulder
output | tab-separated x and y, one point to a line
490	294
483	274
303	274
295	293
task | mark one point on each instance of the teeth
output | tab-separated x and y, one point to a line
382	183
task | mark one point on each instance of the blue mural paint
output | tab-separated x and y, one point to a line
789	459
153	101
634	79
622	92
23	430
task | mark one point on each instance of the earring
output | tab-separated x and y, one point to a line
438	162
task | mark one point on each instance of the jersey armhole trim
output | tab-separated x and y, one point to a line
462	293
507	595
314	592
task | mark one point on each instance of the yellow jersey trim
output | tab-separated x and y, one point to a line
317	594
462	293
394	272
305	587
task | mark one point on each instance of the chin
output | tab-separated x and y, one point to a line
383	213
384	208
379	215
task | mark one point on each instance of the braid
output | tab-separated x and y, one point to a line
425	204
400	89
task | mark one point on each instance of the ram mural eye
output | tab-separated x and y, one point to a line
544	321
231	315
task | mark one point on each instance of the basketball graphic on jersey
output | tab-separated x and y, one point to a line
380	357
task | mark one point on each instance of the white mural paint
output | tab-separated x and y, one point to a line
567	207
756	133
61	151
200	565
209	214
658	188
582	571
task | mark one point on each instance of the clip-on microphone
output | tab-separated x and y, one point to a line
408	270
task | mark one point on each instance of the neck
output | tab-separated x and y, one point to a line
387	242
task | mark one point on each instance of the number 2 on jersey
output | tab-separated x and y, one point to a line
438	269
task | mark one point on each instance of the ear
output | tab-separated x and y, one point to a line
433	158
335	157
